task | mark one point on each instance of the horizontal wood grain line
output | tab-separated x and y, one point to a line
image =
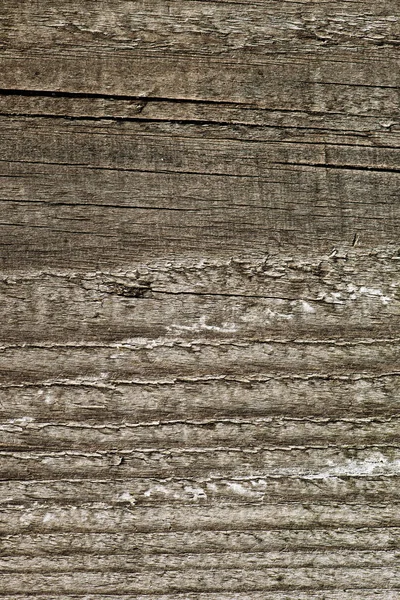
192	580
127	503
197	450
306	134
20	434
191	120
199	490
350	167
166	518
262	378
216	136
71	513
227	560
267	268
139	344
163	170
201	399
101	567
18	365
222	120
127	207
354	594
23	423
210	120
314	462
204	542
226	143
274	163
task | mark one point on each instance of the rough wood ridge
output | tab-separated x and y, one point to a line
199	300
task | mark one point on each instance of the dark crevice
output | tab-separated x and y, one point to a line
234	125
337	166
231	295
144	100
132	170
365	85
80	117
121	97
140	290
93	204
131	119
278	164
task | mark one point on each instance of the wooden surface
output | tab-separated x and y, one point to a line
199	300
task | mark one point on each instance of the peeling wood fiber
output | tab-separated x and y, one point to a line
199	300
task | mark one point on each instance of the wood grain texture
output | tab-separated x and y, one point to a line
199	300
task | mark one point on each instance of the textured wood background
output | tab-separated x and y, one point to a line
199	300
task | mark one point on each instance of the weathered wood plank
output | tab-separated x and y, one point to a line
311	81
292	126
199	300
144	50
181	26
347	295
174	190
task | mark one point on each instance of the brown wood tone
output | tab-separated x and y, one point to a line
199	300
